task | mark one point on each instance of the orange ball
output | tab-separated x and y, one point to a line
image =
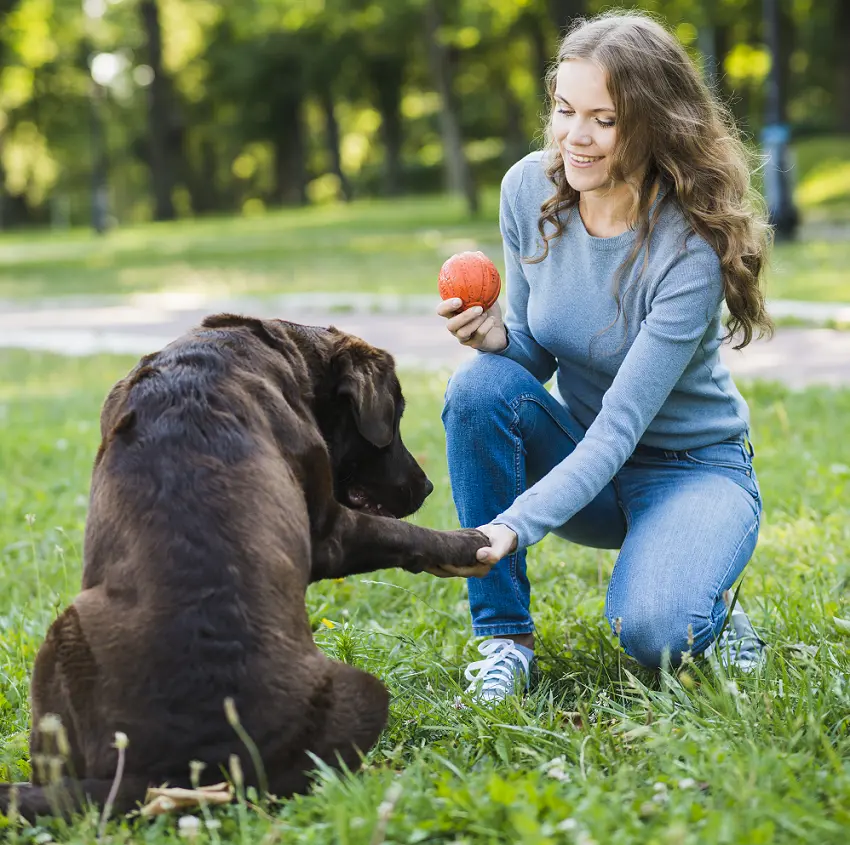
471	277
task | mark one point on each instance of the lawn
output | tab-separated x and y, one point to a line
376	246
600	752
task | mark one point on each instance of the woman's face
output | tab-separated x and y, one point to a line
583	124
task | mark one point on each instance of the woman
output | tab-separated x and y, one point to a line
622	239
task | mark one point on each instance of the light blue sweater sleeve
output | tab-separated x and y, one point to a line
522	347
682	307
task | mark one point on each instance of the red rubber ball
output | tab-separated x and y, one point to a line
471	277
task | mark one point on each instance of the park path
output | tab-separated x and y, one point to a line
406	326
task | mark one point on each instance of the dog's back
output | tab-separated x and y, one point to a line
216	498
197	557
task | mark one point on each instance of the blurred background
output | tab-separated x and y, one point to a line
120	111
161	159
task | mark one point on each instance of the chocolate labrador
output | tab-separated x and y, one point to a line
242	462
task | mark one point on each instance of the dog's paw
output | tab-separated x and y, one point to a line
458	555
479	570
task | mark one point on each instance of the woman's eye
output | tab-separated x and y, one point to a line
605	124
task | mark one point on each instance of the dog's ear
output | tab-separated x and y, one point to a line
266	330
367	377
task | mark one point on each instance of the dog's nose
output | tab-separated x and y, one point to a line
428	488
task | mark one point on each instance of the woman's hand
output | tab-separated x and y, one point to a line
472	327
502	542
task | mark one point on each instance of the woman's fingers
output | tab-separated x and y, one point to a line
465	324
449	307
484	328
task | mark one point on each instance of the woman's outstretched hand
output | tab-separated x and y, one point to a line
503	541
480	330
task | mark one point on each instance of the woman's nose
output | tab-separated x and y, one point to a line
578	136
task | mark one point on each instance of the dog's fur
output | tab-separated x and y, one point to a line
236	466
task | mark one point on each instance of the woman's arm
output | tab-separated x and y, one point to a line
522	347
686	301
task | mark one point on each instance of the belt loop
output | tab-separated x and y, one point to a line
749	446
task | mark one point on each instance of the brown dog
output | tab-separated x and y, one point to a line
216	500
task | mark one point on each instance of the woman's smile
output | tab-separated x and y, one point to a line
581	160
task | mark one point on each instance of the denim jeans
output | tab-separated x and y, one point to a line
686	523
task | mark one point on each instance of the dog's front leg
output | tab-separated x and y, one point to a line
358	542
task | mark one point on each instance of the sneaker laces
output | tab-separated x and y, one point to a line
495	676
739	645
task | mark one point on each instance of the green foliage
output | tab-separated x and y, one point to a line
601	751
248	121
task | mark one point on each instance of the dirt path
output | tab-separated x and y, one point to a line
796	356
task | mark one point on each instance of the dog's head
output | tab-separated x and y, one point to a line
357	402
359	411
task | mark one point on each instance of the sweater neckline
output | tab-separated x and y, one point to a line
606	244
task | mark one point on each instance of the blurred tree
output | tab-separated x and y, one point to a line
442	57
211	106
6	6
842	31
563	12
164	131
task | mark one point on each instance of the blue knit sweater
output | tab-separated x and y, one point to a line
653	377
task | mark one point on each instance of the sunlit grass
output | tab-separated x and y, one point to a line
600	752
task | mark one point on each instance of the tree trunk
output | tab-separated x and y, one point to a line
159	116
541	50
333	138
458	174
787	42
386	73
201	180
562	12
289	147
713	43
842	32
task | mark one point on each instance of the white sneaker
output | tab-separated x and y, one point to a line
739	645
505	668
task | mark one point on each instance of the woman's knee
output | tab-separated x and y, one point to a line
655	635
481	385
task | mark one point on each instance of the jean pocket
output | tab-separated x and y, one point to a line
730	454
729	457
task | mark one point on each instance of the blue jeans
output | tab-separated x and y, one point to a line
686	523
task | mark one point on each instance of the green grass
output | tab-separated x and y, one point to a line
377	246
601	751
394	246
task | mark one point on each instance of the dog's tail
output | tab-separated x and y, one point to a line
69	797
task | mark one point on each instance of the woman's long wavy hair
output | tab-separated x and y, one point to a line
669	120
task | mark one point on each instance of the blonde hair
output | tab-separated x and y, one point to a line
668	119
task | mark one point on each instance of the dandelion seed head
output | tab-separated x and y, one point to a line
230	712
50	724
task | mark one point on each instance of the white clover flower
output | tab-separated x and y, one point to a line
188	826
